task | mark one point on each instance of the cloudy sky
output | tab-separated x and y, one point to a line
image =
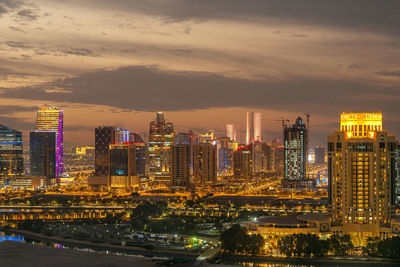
205	63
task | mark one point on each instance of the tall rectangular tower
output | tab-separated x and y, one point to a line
257	137
249	127
43	155
205	163
231	132
361	172
122	166
161	138
50	119
11	161
104	137
180	164
243	163
253	127
295	137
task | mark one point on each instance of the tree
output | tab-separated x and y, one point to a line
340	245
237	240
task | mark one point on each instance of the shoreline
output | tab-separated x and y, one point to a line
320	261
104	246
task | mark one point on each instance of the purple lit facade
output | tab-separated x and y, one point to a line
60	146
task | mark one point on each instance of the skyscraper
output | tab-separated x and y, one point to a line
249	127
122	166
243	163
319	153
205	163
257	136
224	155
141	153
104	137
43	148
258	157
121	136
295	154
180	164
50	119
362	174
231	132
161	138
253	127
11	161
278	157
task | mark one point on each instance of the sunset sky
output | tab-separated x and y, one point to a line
204	63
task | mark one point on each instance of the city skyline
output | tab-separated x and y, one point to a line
199	133
128	59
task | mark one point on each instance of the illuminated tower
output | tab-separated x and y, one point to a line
50	119
249	127
224	155
161	138
253	127
295	154
122	166
11	161
231	132
362	173
257	137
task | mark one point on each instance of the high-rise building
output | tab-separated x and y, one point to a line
161	138
50	119
135	138
141	153
180	164
243	163
121	136
362	177
224	155
122	166
258	157
397	183
362	173
207	137
319	153
11	160
205	163
43	147
231	132
104	137
257	136
278	157
295	137
267	157
253	127
249	127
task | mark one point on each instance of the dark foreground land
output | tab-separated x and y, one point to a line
340	261
22	254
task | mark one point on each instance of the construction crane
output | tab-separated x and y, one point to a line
283	122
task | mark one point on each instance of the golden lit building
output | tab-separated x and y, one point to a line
122	166
362	174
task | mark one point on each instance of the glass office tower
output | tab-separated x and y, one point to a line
11	161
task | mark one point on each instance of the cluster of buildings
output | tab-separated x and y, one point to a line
363	164
363	186
123	159
185	160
